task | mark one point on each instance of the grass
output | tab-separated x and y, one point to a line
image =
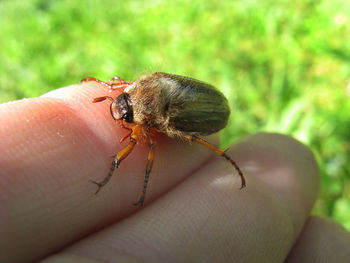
283	64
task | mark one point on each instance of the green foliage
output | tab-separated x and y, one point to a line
283	64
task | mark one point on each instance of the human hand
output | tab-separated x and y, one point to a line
53	145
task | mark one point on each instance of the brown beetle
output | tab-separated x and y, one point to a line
171	104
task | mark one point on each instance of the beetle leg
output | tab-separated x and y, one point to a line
118	79
111	85
121	122
97	80
148	171
117	85
221	153
125	136
121	155
121	81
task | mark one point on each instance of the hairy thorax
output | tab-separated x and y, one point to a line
151	103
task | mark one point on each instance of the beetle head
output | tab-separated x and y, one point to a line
121	108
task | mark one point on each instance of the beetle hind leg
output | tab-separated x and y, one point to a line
228	158
221	153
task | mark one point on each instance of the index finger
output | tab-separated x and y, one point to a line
51	147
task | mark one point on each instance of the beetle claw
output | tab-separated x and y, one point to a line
99	184
139	202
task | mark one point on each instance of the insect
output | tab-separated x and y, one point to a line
171	104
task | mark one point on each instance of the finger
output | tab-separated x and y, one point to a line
322	240
287	168
50	148
208	219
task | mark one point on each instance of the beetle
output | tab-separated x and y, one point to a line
175	105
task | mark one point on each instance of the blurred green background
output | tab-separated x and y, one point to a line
285	65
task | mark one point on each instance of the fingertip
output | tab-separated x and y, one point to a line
286	166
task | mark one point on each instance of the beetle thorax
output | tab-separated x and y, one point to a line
150	98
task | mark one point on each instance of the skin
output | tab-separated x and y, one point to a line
194	212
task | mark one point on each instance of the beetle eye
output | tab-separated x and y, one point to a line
121	108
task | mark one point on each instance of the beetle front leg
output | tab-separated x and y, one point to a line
121	122
219	152
148	172
120	80
121	84
121	155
